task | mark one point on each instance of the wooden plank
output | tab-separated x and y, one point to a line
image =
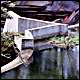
26	8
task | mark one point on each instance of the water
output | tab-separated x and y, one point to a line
49	64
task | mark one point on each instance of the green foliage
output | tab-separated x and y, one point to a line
7	41
60	39
68	39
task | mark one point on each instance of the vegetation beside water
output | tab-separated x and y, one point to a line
7	51
7	40
68	39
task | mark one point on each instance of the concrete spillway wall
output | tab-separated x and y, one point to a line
39	28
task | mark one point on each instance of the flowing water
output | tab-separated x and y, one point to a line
49	64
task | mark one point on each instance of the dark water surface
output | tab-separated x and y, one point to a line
49	64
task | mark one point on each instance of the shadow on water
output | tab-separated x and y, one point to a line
49	64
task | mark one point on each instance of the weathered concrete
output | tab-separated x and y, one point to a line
24	41
11	25
39	28
19	24
48	31
25	45
28	23
42	45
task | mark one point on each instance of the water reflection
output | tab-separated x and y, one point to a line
49	64
9	75
23	72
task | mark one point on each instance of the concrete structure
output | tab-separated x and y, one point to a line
25	45
24	41
39	28
33	29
